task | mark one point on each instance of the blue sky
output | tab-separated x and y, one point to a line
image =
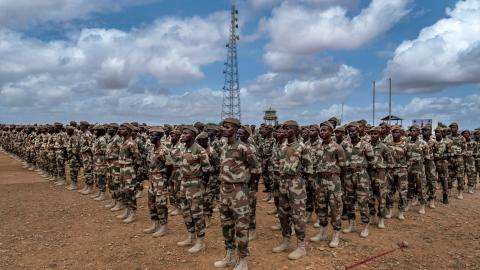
161	61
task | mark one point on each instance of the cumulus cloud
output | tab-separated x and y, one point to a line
444	54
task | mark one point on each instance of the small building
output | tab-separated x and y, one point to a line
392	120
270	117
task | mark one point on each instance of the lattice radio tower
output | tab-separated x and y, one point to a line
231	89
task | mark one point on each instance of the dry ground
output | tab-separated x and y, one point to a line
46	227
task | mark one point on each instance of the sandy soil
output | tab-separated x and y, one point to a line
47	227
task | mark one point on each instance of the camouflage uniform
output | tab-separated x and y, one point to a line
100	167
127	160
330	159
141	166
265	146
175	160
86	140
60	152
296	161
310	184
357	180
195	164
441	151
51	155
237	163
211	187
158	186
417	152
430	171
456	162
469	159
112	153
73	156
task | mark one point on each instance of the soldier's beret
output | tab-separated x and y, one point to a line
327	124
129	126
156	129
291	123
363	122
73	123
453	124
426	127
176	131
340	129
414	127
167	126
384	124
57	124
70	127
315	127
375	129
438	128
247	129
333	119
233	121
135	124
113	125
202	135
353	124
466	131
84	123
98	127
198	124
191	128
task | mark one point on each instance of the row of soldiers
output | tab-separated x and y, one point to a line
325	169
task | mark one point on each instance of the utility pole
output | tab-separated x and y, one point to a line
231	89
373	113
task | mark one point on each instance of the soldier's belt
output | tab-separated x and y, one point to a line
356	169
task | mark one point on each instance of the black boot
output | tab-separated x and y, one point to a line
445	198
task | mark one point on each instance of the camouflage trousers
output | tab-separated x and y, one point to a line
191	203
74	165
310	187
267	175
275	189
431	176
291	208
357	190
60	163
470	171
128	182
87	164
379	193
158	197
397	181
328	189
113	179
416	183
174	187
442	170
210	194
101	181
142	175
52	162
477	162
234	216
456	172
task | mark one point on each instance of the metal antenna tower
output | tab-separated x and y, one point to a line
231	89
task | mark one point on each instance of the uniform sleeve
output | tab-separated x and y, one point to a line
369	153
307	161
252	161
388	157
205	161
341	157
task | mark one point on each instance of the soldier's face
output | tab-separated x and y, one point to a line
122	131
426	132
70	132
242	134
339	134
375	135
384	129
187	136
396	134
305	134
111	131
228	130
174	137
290	131
325	132
438	134
414	132
477	136
353	132
211	133
454	129
466	135
313	133
155	137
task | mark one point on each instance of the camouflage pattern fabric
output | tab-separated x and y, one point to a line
158	186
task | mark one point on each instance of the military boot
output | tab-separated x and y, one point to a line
118	206
445	198
83	189
132	216
199	246
321	236
284	246
422	209
241	264
228	261
94	195
72	186
401	216
276	227
124	215
60	182
87	190
101	197
335	239
460	195
111	204
381	223
351	226
188	241
432	204
471	190
364	232
153	228
299	252
252	234
389	213
162	230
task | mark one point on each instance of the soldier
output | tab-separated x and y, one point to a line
417	151
469	159
238	166
430	170
357	181
195	171
340	138
313	144
51	165
60	152
127	159
377	171
86	139
441	151
100	167
73	157
477	155
457	163
279	137
158	186
330	159
112	153
265	145
199	126
141	168
385	135
295	167
174	163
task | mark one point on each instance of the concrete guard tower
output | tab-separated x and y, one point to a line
270	117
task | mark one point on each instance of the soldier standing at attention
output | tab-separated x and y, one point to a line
430	170
341	139
470	151
112	153
60	152
73	157
441	150
330	159
238	166
296	166
457	163
477	155
86	139
100	166
174	163
265	152
195	171
314	144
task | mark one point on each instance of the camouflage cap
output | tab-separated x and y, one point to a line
453	124
211	126
438	128
362	122
247	129
156	129
375	129
128	125
73	123
176	131
353	124
327	124
396	127
466	131
57	124
426	127
233	121
98	127
414	127
70	127
84	123
334	119
340	129
167	126
113	125
202	135
191	128
134	124
291	123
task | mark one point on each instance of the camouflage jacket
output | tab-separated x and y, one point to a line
237	163
276	156
416	151
195	162
157	159
60	140
383	156
470	148
330	158
73	146
265	147
113	148
347	148
174	157
128	153
458	145
86	141
99	149
313	147
362	155
441	150
399	154
296	159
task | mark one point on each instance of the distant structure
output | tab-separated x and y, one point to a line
231	89
270	117
389	119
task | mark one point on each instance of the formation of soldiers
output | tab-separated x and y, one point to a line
328	171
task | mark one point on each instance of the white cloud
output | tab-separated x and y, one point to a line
444	54
22	13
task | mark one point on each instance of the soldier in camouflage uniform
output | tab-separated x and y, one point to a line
311	183
51	165
330	163
441	151
73	156
357	180
60	153
265	145
477	155
174	163
279	137
469	159
195	171
158	186
86	140
238	167
344	142
296	166
128	158
430	169
456	161
377	171
112	154
398	174
417	152
100	167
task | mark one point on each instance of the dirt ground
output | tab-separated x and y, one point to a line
47	227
